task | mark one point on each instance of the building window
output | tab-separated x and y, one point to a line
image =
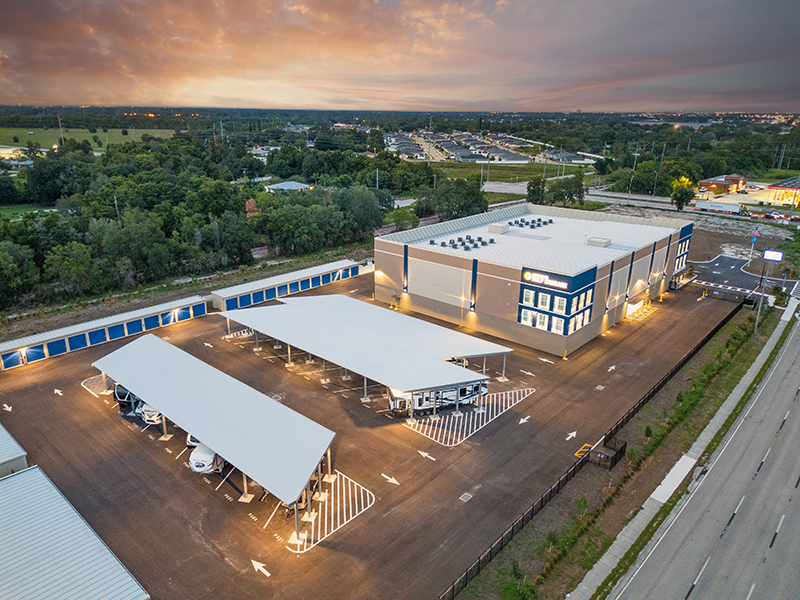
544	301
527	317
589	297
558	326
587	316
528	297
571	326
574	304
581	300
541	322
559	305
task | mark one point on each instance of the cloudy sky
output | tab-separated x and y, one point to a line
528	55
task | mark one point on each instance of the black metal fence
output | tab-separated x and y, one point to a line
475	568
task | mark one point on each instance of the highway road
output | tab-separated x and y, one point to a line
735	536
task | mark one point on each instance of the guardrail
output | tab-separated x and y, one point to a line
476	567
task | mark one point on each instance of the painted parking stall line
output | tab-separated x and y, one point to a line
450	430
341	501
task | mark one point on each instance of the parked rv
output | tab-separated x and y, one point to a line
204	460
400	402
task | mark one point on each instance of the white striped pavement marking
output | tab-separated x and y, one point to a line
346	500
449	430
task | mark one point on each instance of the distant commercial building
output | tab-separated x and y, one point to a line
545	277
566	157
786	191
723	184
287	186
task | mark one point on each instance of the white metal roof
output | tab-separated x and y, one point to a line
56	334
276	446
261	284
48	551
558	247
388	347
9	447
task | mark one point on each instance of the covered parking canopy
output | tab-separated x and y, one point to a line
391	348
276	446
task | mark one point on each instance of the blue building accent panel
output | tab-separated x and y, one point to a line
56	347
167	318
305	284
12	359
116	331
151	322
76	342
184	313
134	327
231	304
282	290
315	281
326	278
270	294
35	353
353	271
345	273
258	297
245	300
294	287
98	336
198	310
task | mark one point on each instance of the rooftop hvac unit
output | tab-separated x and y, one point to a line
599	242
484	243
510	223
433	242
444	244
498	228
480	239
550	221
544	223
469	237
516	221
539	220
452	241
532	226
460	239
491	240
467	248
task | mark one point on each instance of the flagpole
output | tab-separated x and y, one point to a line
752	245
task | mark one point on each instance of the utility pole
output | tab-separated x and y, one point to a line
430	133
61	130
655	181
783	151
635	158
376	179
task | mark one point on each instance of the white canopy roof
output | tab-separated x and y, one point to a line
391	348
274	445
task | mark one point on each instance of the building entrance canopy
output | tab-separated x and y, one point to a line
393	349
274	445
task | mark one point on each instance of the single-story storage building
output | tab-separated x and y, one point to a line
545	277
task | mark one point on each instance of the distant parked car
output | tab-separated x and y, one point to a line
741	191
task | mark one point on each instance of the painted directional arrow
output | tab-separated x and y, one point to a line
426	455
524	420
260	567
6	408
527	373
611	368
207	344
545	360
390	479
572	435
58	391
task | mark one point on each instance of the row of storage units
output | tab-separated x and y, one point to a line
256	292
37	347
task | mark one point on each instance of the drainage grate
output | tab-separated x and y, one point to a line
465	497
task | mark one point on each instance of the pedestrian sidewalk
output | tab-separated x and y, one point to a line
676	475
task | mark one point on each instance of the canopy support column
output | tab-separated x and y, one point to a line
227	320
296	525
480	408
458	412
257	348
330	477
105	382
346	376
164	436
290	363
365	398
324	372
435	403
484	365
245	497
503	377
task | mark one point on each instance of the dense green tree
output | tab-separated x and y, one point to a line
18	272
72	267
682	196
403	218
537	191
456	198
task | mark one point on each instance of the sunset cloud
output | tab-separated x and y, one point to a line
403	54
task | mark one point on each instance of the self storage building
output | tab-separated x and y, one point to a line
545	277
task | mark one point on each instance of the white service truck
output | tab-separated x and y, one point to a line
721	207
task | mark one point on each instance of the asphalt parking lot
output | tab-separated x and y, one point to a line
184	535
727	272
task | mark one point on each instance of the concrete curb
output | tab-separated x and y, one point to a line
670	483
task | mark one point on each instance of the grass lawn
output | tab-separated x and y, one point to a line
776	175
498	172
47	137
495	197
15	211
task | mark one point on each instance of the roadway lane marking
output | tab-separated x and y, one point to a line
700	574
750	593
449	430
224	478
777	530
277	506
735	511
762	463
783	422
179	455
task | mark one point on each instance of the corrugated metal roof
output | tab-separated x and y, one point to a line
558	247
9	447
276	446
48	336
48	551
388	347
261	284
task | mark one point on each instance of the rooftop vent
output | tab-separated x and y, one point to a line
433	242
460	239
467	248
484	243
600	242
550	221
444	244
480	239
539	220
491	240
